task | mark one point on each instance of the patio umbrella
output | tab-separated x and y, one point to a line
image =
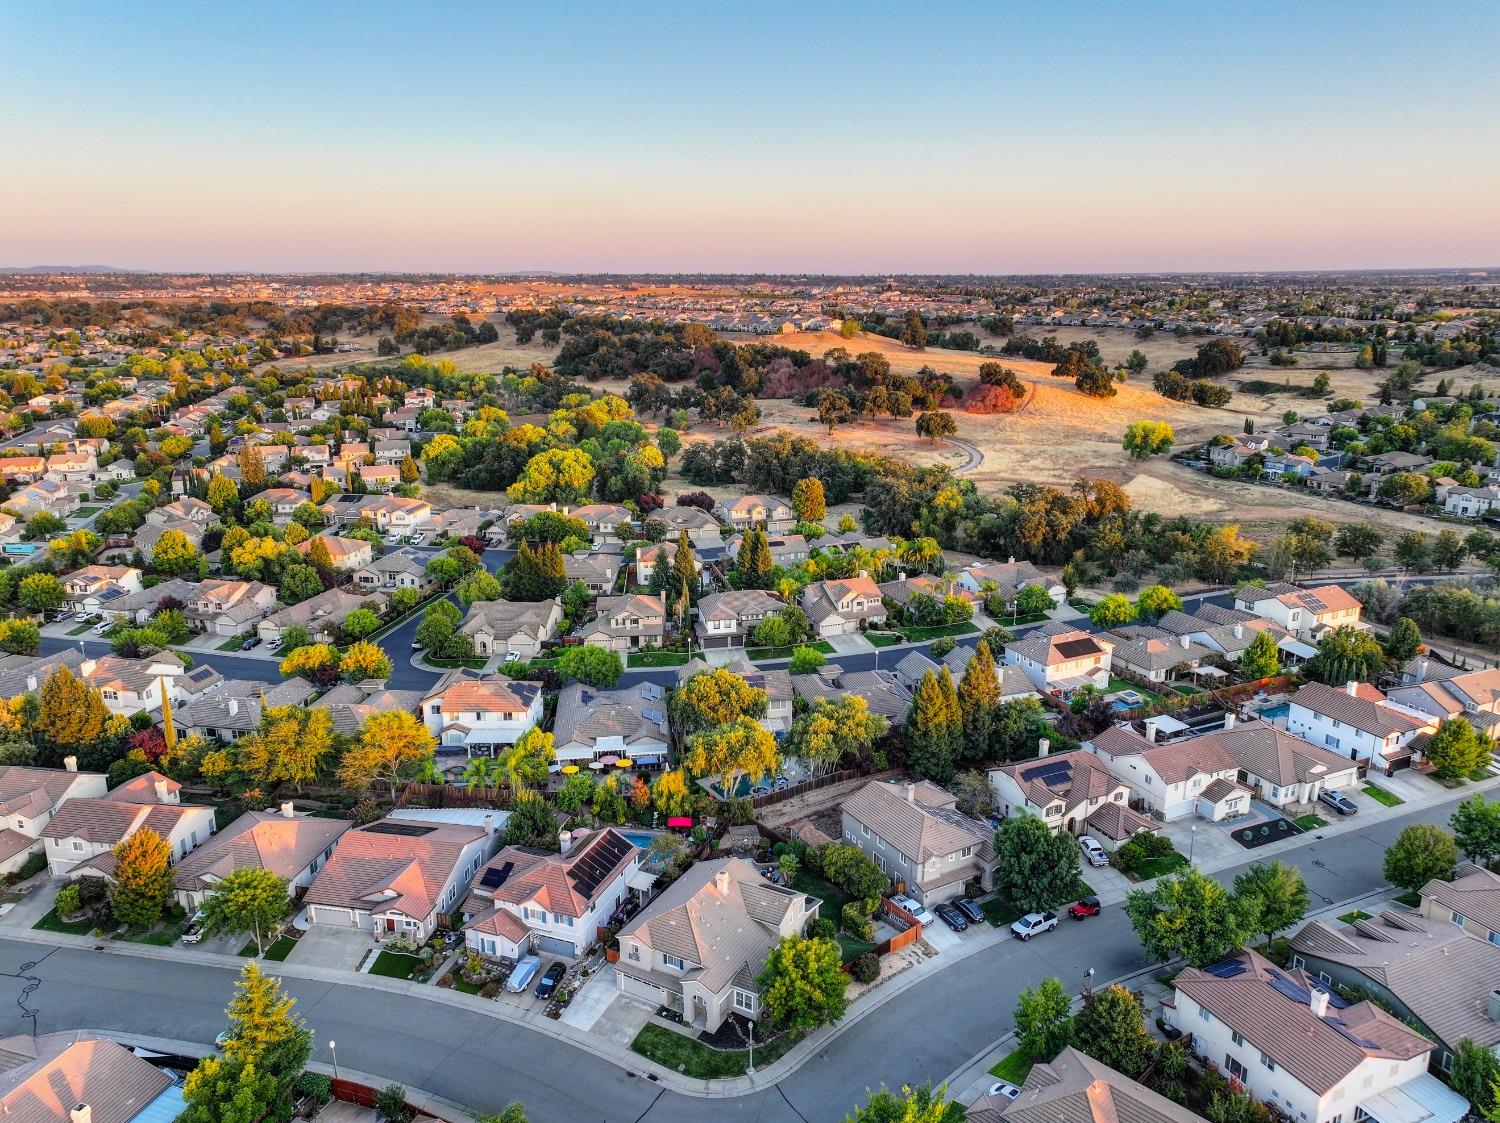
609	758
569	769
624	762
595	765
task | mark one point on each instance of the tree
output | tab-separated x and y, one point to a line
933	424
832	730
714	698
291	745
1475	1074
39	592
308	661
1423	852
923	1104
1033	600
263	1031
1144	439
978	702
914	330
531	822
480	585
410	472
1413	550
808	500
1192	916
71	714
393	745
593	666
223	494
358	624
1403	641
805	660
802	985
1476	828
1456	751
1449	550
247	899
669	795
1358	540
558	475
934	727
1043	1020
1262	659
513	1112
20	637
1402	489
753	565
142	885
391	1105
364	660
299	583
740	748
685	566
174	554
1035	868
1112	1029
1346	655
1279	892
1113	611
224	1091
252	464
1155	602
536	574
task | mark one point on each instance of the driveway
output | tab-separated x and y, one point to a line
325	946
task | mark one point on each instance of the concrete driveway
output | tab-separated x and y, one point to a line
324	946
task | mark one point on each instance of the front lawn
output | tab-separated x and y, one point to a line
1357	914
760	654
51	922
1013	1068
1158	867
999	912
1311	822
884	639
656	659
1380	795
922	635
394	965
86	512
473	664
680	1053
275	953
78	631
233	644
162	934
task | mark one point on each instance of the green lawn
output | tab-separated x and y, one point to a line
759	654
1311	822
86	512
834	899
680	1053
54	923
922	635
1357	914
472	664
163	934
78	631
1118	684
276	953
1187	689
884	639
1160	867
998	912
1411	899
656	659
1012	1067
233	644
851	949
1380	795
394	965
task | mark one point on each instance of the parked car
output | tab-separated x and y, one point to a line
524	972
952	918
1338	801
61	616
1087	907
1093	851
416	645
969	908
418	539
914	908
1033	924
224	1037
1006	1089
194	931
550	980
512	656
103	627
250	644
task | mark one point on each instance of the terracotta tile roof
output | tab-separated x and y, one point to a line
1193	757
260	839
1117	822
496	695
22	787
1317	1051
1075	1088
1074	777
1280	758
1359	710
373	871
43	1078
548	880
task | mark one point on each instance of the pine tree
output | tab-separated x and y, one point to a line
753	563
808	500
168	727
142	884
978	698
684	565
410	473
263	1030
318	553
930	729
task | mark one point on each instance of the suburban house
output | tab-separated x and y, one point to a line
1432	972
321	615
1070	792
400	569
664	553
379	477
727	619
1281	769
843	606
398	876
512	627
525	900
608	523
227	607
1063	660
284	502
611	725
901	591
388	514
1291	1043
1472	695
700	946
1309	614
1160	660
786	549
882	691
701	527
626	623
771	515
596	571
775	681
133	686
345	554
1237	451
1012	680
1358	722
235	708
1193	776
917	836
1008	578
29	797
1075	1088
477	716
90	589
83	831
75	1077
1471	901
1469	502
293	847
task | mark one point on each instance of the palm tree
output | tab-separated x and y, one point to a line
429	773
482	772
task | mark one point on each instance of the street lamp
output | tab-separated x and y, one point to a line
750	1068
1192	842
1088	983
334	1053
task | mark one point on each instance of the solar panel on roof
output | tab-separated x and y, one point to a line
1289	988
198	674
654	715
1227	969
600	856
405	830
1047	773
1345	1032
496	876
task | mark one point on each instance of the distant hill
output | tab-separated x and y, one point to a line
63	269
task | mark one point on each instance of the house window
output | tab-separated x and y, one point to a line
1268	1062
1204	1014
77	844
744	1000
1298	963
1457	918
672	961
635	953
1234	1068
1446	1064
1236	1037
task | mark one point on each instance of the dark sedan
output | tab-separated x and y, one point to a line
969	908
550	980
952	917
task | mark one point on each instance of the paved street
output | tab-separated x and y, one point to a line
927	1032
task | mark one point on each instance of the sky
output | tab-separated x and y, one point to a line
770	137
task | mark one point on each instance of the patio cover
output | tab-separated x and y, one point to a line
1211	672
1425	1099
642	880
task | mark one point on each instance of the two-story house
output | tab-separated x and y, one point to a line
525	900
596	571
702	528
133	686
700	947
321	615
1070	792
512	627
400	569
626	623
284	502
1471	901
1309	614
608	523
345	554
82	833
611	725
29	797
291	846
786	549
1356	722
648	557
917	836
727	619
1059	660
1192	776
769	514
227	607
1008	578
843	606
476	717
92	588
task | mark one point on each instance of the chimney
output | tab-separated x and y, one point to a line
721	880
164	791
1239	631
1494	1006
1043	747
1011	560
1318	1002
81	1113
1184	640
1228	722
1421	670
288	811
911	793
489	824
564	841
1151	731
70	763
234	705
864	573
31	682
1351	688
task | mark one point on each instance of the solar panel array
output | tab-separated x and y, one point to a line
405	830
598	859
1049	772
198	674
1227	969
496	876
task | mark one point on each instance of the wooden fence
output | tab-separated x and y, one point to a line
452	795
794	790
362	1095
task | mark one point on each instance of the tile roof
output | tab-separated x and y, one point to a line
373	871
43	1078
919	819
567	884
1474	892
1075	1088
29	787
1117	822
493	695
1074	777
1181	760
260	839
1360	711
1317	1051
1280	758
586	714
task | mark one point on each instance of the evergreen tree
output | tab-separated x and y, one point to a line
685	567
1262	659
1111	1029
1403	640
71	715
978	699
142	883
808	500
934	728
753	562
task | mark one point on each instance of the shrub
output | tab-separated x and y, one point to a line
365	811
68	900
391	1105
490	990
942	645
314	1086
822	929
857	921
865	968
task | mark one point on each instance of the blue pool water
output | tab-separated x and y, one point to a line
639	838
1280	710
1120	707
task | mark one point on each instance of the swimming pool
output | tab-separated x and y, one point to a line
1270	713
638	838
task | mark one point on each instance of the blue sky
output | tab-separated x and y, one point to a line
993	138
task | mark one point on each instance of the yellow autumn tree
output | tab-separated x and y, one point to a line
741	749
559	475
393	747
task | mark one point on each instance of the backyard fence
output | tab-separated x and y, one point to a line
794	790
452	795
